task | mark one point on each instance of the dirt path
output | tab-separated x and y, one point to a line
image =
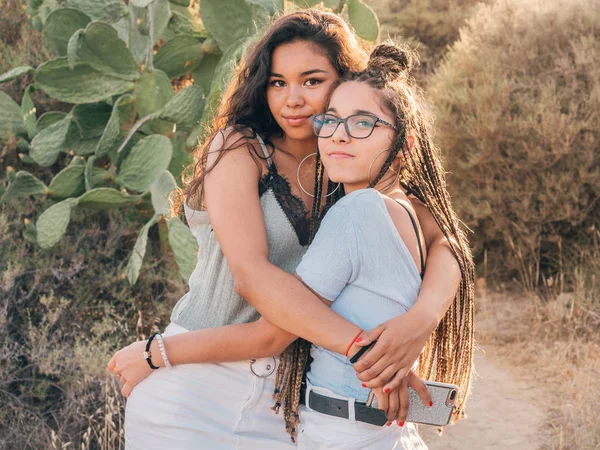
502	413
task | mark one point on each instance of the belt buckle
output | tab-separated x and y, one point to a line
270	368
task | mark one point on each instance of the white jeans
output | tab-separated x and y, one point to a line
321	431
206	406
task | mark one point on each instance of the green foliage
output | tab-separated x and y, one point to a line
152	92
181	240
69	182
516	101
160	190
91	119
360	15
147	160
132	271
107	198
15	73
204	74
48	143
60	26
181	157
80	84
363	19
52	223
47	119
100	47
185	109
230	21
28	112
109	11
11	122
119	138
179	55
24	184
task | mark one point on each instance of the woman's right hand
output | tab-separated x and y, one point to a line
400	341
395	403
130	367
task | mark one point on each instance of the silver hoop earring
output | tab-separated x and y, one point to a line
300	184
371	166
373	162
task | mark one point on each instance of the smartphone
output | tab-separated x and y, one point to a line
444	397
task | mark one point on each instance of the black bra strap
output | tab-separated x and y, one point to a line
414	222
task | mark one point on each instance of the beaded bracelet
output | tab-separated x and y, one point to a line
163	352
147	354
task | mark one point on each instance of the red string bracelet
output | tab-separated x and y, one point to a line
353	341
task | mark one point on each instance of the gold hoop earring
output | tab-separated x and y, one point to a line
371	166
300	184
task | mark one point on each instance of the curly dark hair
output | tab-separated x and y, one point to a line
244	112
244	108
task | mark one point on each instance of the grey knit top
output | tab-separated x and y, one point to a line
211	300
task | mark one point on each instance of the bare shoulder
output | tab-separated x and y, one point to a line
397	206
230	145
233	171
404	223
430	228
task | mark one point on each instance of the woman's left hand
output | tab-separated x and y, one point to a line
399	343
395	403
129	366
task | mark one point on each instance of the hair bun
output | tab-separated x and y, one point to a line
393	61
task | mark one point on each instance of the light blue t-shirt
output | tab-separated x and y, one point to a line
359	261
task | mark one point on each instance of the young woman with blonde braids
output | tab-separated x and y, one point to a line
366	260
249	216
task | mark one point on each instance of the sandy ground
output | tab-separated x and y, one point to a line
502	412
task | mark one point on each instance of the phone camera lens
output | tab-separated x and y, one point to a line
453	395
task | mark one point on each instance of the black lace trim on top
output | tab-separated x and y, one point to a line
292	206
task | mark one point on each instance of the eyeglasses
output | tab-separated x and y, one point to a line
358	126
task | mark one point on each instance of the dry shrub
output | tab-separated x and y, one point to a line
20	44
517	101
428	25
63	312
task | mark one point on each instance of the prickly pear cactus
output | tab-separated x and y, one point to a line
128	135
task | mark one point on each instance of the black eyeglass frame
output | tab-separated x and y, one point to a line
345	122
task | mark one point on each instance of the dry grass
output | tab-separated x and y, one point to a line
62	315
20	44
555	346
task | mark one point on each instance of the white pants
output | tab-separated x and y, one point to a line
321	431
206	406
